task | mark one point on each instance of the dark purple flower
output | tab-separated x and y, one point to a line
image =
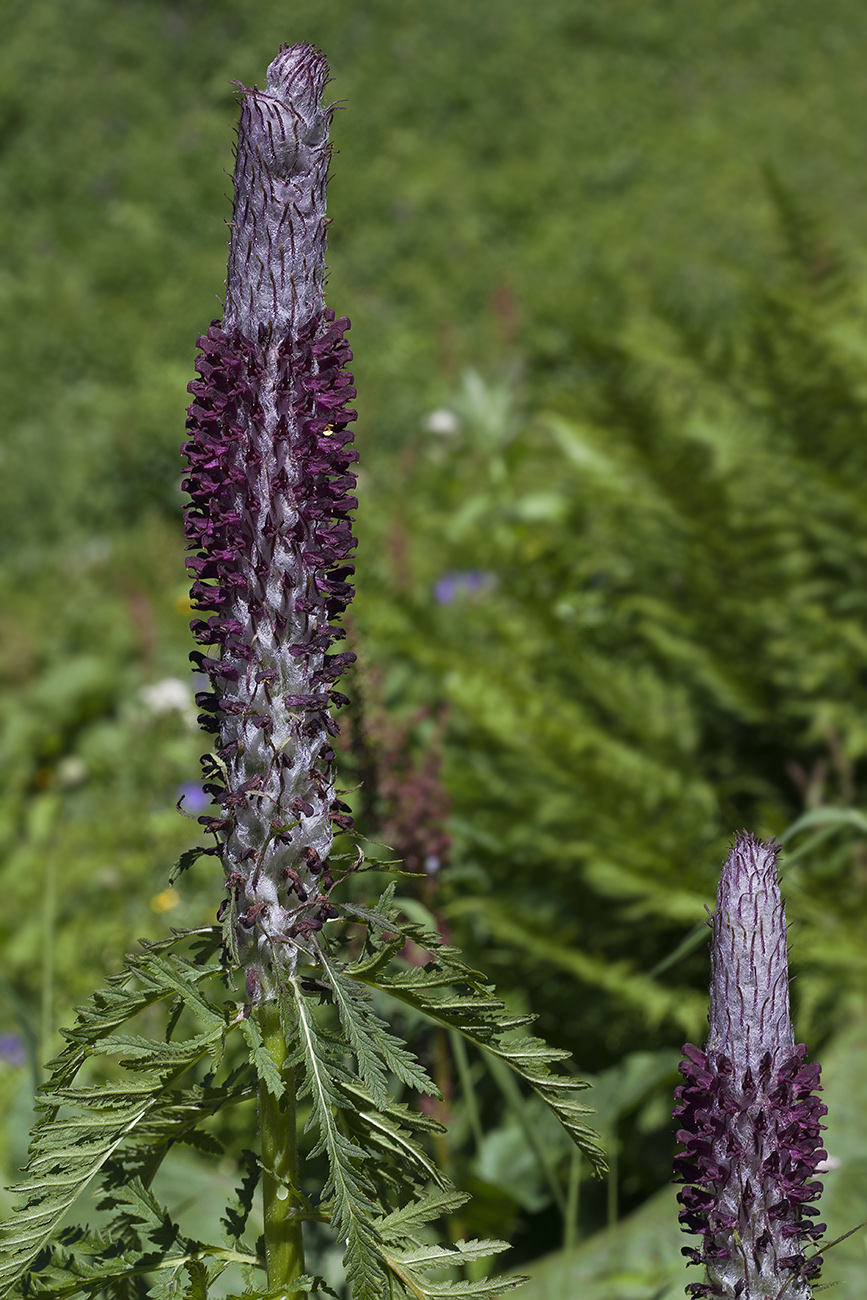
269	521
747	1115
12	1049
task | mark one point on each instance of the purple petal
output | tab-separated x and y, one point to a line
12	1050
193	797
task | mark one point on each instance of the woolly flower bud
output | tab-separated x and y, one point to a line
270	529
748	1119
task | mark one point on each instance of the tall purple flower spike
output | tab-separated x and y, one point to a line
749	1121
269	524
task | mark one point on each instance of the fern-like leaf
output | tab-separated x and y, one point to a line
198	1284
306	1284
436	990
238	1211
82	1128
376	1049
413	1266
317	1055
385	1132
262	1060
404	1223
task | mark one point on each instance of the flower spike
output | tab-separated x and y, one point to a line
747	1115
269	527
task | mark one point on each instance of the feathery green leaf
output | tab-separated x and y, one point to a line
434	990
349	1191
261	1058
376	1049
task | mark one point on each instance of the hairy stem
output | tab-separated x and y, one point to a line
284	1244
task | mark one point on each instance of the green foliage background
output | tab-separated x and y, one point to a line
619	245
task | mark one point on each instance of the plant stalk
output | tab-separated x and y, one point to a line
284	1244
573	1201
49	909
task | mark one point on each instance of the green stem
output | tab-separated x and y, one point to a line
284	1244
468	1091
443	1080
508	1085
49	908
573	1200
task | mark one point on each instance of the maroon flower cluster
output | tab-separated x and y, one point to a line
748	1118
236	542
269	526
751	1146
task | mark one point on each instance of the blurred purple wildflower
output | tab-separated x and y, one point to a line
12	1049
461	583
195	800
747	1116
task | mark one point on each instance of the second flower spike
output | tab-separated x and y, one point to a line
748	1117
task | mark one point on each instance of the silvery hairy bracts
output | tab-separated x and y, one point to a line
748	1117
270	529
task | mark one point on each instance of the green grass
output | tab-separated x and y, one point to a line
505	170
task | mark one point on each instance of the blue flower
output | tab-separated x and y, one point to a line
194	798
12	1049
465	583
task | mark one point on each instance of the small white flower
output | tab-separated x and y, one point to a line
71	772
171	695
442	421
